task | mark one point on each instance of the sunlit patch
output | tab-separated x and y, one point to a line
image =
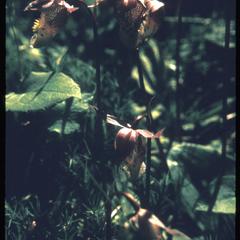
172	163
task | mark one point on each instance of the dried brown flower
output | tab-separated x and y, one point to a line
137	20
54	14
147	224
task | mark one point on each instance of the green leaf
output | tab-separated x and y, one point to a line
186	191
79	105
42	90
70	127
197	159
180	238
83	73
226	200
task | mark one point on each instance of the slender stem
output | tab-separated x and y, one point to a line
178	38
148	171
162	155
224	112
108	211
148	156
140	73
98	124
99	137
95	182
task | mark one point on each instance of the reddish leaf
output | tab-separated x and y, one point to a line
159	133
145	133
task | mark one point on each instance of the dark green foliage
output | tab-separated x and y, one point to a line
54	179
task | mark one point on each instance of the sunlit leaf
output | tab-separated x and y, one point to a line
70	127
226	199
42	90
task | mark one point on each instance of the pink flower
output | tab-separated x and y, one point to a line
129	145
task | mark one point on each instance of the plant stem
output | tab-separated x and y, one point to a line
108	211
162	155
98	124
140	72
148	171
224	113
98	153
148	156
178	42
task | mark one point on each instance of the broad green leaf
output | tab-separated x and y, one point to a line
216	32
42	90
197	159
70	127
226	199
180	238
83	73
79	105
189	194
186	190
152	66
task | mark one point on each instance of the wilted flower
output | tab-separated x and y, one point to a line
53	17
148	225
129	145
138	20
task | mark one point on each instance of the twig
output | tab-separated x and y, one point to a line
224	113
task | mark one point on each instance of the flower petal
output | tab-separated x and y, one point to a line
38	5
110	119
145	133
153	5
159	133
70	8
